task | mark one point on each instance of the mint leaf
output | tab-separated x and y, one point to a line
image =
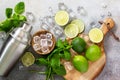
59	43
67	55
19	8
55	60
6	25
41	61
22	18
8	12
60	70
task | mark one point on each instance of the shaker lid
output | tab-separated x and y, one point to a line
26	27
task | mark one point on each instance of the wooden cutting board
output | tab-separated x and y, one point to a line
96	67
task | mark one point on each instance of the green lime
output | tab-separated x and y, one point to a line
28	59
71	30
80	63
78	44
96	35
93	53
80	24
62	18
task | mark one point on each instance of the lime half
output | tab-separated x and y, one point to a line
71	30
28	59
96	35
80	24
62	18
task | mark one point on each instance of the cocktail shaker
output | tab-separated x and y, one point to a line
13	48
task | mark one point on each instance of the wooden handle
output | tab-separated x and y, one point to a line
104	27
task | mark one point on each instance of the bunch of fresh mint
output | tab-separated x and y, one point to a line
52	62
13	18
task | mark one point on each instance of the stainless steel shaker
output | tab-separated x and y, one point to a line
14	47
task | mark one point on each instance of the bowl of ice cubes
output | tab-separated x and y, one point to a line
43	42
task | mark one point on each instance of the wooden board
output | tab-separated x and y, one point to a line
96	67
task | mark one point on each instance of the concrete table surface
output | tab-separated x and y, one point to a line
96	10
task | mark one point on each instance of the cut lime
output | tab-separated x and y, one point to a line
62	18
28	59
71	30
96	35
80	24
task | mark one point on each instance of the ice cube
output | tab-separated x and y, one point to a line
50	42
49	36
36	47
36	39
44	26
44	49
81	11
50	20
72	14
68	65
58	30
43	42
109	14
43	36
62	6
104	5
30	17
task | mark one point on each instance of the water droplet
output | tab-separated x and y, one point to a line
49	36
36	39
21	67
43	42
30	17
104	5
62	6
50	42
81	11
36	47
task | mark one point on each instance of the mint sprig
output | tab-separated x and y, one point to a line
13	20
52	61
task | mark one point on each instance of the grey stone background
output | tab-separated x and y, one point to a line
95	11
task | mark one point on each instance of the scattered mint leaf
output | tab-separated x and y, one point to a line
59	43
8	12
60	70
19	8
55	61
41	61
67	55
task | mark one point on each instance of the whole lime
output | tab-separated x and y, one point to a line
93	53
78	44
80	63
